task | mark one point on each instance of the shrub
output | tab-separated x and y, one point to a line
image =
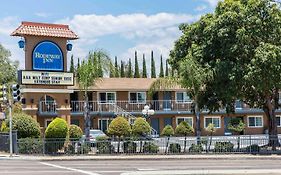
4	127
224	147
183	129
150	147
75	132
84	148
195	148
175	148
167	131
130	147
141	127
25	125
253	148
30	146
104	145
55	135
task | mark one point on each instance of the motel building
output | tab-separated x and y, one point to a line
49	90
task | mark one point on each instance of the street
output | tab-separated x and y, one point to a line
130	167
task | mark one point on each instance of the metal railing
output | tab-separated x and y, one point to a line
47	107
173	145
157	105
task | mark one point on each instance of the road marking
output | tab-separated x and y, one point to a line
70	169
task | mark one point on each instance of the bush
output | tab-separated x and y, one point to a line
150	147
168	131
104	145
119	127
30	146
55	135
75	132
25	125
195	148
253	148
224	147
175	148
4	127
141	127
130	147
78	149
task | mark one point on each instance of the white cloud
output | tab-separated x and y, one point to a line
213	3
201	8
42	14
7	25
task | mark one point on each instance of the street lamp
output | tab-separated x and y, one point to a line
147	112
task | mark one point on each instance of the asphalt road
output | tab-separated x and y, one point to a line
139	167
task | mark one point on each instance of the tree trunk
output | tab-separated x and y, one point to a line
184	148
197	114
167	145
87	122
118	146
210	141
269	110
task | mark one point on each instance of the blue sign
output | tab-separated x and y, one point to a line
47	56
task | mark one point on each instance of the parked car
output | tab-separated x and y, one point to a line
94	133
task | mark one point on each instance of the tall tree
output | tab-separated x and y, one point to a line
137	71
71	69
111	71
122	71
88	76
129	69
117	74
167	69
239	42
100	68
161	74
8	68
153	70
144	72
77	67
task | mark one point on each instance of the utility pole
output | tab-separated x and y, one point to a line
10	126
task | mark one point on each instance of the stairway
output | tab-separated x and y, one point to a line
117	110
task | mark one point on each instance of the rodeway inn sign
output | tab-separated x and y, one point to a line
47	56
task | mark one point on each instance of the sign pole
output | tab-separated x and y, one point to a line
10	126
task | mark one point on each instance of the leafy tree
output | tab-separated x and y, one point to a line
129	69
8	68
153	70
122	72
101	56
167	131
116	68
141	128
119	127
161	74
236	125
167	69
112	71
77	67
137	71
144	72
88	76
75	132
240	43
183	129
71	64
211	129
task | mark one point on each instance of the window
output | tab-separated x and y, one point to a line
214	120
107	97
255	121
188	120
278	118
182	97
104	123
137	97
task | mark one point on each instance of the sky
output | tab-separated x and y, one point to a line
120	27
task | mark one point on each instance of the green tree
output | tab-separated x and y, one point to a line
140	129
167	69
77	67
167	131
119	127
144	72
183	129
153	70
129	69
8	68
122	71
88	76
71	64
236	125
137	71
100	68
210	129
117	74
75	132
161	74
112	71
240	42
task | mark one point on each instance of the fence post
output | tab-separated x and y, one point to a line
250	144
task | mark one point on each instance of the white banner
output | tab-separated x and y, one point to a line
46	78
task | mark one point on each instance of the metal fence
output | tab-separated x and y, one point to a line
173	145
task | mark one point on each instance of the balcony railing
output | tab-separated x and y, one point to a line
47	107
159	105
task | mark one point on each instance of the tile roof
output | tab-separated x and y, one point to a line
123	84
44	29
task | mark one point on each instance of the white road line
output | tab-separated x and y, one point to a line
70	169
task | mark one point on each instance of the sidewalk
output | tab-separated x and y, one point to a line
138	157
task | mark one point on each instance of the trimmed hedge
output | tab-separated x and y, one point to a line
224	147
104	145
150	147
175	148
195	148
30	146
130	147
75	132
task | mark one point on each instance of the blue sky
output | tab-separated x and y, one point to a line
118	26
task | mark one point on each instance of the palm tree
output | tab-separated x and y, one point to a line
88	76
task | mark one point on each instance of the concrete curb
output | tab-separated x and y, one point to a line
140	157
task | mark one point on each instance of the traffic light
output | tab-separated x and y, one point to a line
3	94
16	92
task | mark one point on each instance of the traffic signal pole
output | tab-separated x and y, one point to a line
10	126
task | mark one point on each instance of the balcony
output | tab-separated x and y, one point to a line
160	106
48	108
